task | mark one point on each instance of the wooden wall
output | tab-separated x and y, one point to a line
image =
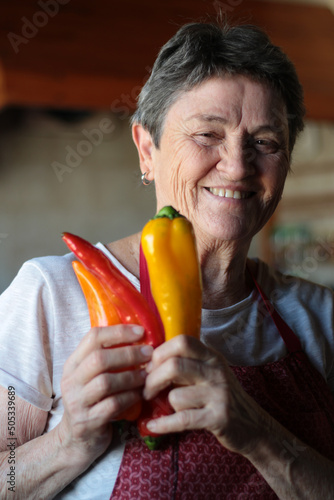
96	55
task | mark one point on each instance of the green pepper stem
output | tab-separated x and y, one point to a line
168	212
152	443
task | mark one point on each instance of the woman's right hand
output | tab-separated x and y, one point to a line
98	384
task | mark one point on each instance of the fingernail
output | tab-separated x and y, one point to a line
149	367
147	350
151	425
138	330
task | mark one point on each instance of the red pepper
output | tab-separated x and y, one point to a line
154	408
159	406
130	304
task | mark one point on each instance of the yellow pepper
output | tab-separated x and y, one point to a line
169	246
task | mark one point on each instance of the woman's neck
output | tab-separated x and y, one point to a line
126	252
224	276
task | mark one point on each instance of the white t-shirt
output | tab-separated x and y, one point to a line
43	317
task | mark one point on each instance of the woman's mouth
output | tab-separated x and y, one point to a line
228	193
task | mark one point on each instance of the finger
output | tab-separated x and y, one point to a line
108	409
112	360
107	384
103	337
182	371
192	397
182	346
180	421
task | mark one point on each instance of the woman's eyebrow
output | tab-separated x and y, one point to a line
207	118
279	132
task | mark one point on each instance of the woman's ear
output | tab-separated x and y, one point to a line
144	143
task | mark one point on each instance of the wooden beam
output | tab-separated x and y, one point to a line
3	97
85	54
306	33
76	91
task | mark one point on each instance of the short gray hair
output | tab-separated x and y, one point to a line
199	51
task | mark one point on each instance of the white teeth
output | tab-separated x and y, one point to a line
217	192
228	193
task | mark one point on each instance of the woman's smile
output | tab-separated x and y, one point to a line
230	193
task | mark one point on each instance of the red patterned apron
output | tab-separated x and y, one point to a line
194	465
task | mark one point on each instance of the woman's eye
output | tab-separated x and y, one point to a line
266	146
208	139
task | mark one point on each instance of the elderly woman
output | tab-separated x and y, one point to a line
254	414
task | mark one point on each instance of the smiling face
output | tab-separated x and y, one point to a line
223	157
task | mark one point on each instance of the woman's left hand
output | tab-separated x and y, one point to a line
205	394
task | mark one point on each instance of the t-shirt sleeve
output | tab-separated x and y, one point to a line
26	337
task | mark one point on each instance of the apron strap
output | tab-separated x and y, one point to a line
291	340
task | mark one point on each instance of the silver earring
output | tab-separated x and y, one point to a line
144	179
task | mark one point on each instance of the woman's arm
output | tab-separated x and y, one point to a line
94	392
208	396
292	469
31	465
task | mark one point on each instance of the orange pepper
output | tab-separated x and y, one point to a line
102	312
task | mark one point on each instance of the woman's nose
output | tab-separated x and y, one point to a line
237	161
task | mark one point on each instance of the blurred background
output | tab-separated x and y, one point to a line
70	71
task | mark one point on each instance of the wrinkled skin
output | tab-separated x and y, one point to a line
207	394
